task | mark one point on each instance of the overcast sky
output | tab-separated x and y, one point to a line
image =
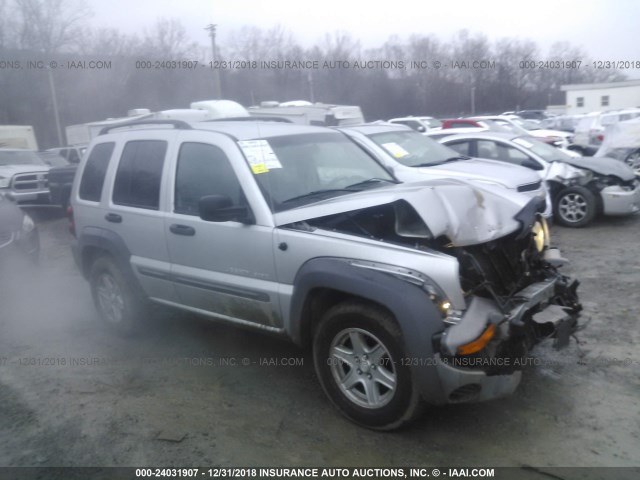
605	29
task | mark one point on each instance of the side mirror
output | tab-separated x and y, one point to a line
532	164
421	129
219	208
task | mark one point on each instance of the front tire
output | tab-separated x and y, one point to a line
574	207
358	351
120	309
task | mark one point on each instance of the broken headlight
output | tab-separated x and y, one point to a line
541	235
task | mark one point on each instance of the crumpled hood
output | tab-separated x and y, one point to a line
510	176
466	214
8	171
603	166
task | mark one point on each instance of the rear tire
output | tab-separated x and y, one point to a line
120	309
574	207
358	351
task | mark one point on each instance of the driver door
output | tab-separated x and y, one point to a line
222	268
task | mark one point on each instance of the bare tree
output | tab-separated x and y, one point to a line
168	40
50	26
3	23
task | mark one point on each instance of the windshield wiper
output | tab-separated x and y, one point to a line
370	181
316	193
447	160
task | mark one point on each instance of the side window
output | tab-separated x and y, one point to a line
461	147
511	155
204	170
94	172
488	149
139	174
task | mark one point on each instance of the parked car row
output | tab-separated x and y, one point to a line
590	129
622	142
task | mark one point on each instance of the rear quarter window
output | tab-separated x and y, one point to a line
94	172
139	174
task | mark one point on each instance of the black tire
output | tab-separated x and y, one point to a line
574	207
395	407
133	307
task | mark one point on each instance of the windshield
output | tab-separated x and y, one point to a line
544	150
496	126
529	124
432	122
19	157
299	169
412	149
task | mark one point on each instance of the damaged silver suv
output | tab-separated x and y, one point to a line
407	294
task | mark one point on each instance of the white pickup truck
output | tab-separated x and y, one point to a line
24	176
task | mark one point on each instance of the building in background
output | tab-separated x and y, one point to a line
595	97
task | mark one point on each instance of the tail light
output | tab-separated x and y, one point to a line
72	222
600	138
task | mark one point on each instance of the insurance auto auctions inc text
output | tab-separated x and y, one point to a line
374	472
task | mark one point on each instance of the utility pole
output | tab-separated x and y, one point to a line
311	92
217	90
473	100
56	114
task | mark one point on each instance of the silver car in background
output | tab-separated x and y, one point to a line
581	188
413	157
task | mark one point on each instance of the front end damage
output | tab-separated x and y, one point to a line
613	183
515	297
509	293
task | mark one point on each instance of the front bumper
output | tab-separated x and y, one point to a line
618	201
35	197
496	371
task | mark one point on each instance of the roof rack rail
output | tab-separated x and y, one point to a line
253	118
178	124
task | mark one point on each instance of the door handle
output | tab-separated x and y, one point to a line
182	230
113	218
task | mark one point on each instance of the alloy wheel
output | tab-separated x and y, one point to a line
573	207
363	368
110	298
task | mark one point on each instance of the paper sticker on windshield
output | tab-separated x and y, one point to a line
522	142
395	150
260	155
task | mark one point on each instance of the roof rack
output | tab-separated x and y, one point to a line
253	118
178	124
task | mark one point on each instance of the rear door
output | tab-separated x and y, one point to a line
221	268
136	205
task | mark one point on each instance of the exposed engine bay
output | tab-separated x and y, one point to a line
493	274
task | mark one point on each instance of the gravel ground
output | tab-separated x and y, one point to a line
192	392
